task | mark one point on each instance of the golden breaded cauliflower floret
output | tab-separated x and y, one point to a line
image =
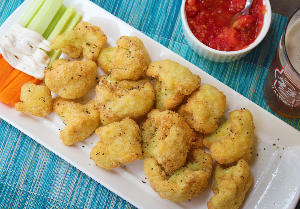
131	58
185	183
172	82
204	108
58	62
168	138
230	186
119	142
120	99
81	120
84	38
35	100
106	58
71	79
233	140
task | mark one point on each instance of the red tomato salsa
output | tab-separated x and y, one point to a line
210	22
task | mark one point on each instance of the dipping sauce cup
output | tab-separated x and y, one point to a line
213	54
282	87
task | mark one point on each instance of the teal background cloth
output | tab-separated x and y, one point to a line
33	177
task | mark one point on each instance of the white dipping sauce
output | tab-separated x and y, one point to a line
24	49
292	43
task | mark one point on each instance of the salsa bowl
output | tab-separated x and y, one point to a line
223	56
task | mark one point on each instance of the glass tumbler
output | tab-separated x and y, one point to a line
282	87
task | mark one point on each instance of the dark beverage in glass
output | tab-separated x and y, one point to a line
282	87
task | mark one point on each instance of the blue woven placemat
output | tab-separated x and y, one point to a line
33	177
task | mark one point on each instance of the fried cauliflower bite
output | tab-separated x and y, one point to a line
58	62
172	82
35	100
105	59
230	186
71	79
185	183
131	58
117	99
81	120
119	142
84	38
233	140
168	138
204	108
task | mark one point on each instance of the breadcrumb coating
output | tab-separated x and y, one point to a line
57	63
172	82
230	186
185	183
119	142
233	140
204	108
197	142
131	58
85	38
35	100
71	79
106	58
81	120
168	138
117	99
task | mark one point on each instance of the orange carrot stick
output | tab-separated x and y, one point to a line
12	92
14	73
36	81
5	70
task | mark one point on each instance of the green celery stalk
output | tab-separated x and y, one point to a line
30	12
70	12
54	21
42	19
53	55
70	24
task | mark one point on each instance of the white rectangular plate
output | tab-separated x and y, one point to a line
275	163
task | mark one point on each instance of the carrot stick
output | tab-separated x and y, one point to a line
11	94
14	73
36	81
5	70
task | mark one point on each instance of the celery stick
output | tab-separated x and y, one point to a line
54	21
53	55
62	23
30	12
42	19
72	22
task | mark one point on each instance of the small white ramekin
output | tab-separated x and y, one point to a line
223	56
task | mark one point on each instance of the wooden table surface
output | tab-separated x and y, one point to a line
284	7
